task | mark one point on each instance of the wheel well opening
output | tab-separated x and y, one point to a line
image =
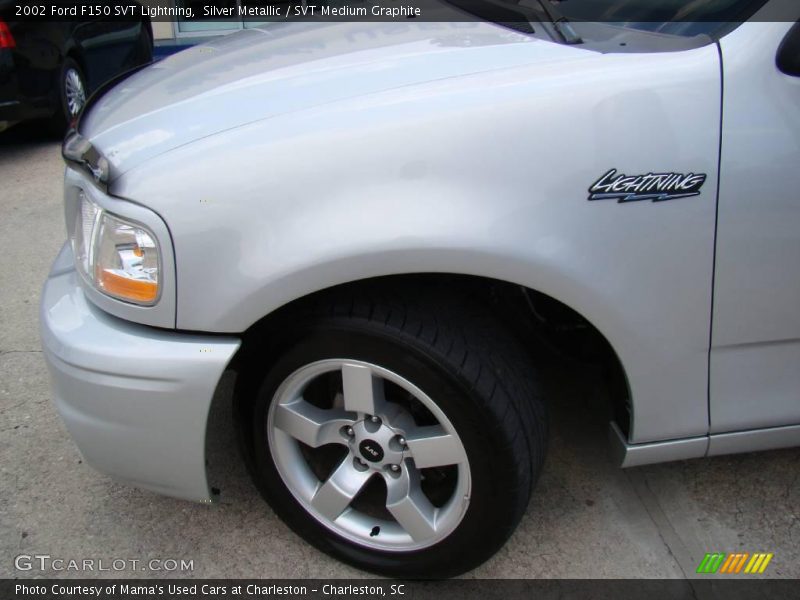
75	55
548	329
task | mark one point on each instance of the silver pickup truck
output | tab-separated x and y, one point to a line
383	227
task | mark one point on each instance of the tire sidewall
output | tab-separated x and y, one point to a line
492	467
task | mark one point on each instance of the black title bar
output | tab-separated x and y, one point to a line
459	589
394	10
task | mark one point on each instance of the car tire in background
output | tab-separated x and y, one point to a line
72	91
397	431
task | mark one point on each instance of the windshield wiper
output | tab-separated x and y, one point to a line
560	23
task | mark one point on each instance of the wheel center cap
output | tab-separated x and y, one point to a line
371	450
375	445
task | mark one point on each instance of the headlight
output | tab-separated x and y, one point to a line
86	223
118	257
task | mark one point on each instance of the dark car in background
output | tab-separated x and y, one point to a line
49	68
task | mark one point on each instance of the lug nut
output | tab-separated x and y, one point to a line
375	419
349	431
360	461
395	468
401	440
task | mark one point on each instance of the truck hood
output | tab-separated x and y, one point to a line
265	72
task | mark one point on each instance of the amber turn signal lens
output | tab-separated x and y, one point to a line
124	287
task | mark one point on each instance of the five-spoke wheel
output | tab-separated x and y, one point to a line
368	415
389	430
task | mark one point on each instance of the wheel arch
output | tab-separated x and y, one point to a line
518	307
74	51
68	49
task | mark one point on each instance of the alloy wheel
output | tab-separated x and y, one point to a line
74	91
369	455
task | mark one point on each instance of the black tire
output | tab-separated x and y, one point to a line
460	356
63	117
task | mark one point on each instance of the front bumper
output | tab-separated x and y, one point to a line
134	398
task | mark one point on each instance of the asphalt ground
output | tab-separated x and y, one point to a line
587	519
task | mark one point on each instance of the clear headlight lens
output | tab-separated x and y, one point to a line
118	257
82	236
126	261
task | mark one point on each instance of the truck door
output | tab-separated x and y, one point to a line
755	350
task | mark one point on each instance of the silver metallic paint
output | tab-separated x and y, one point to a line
755	357
483	174
754	441
135	399
635	455
296	159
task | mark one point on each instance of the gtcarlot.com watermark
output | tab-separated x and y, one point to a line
46	562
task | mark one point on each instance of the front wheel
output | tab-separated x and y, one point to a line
400	437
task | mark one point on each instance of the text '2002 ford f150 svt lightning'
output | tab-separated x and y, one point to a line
376	225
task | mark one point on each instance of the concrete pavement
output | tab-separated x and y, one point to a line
586	519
